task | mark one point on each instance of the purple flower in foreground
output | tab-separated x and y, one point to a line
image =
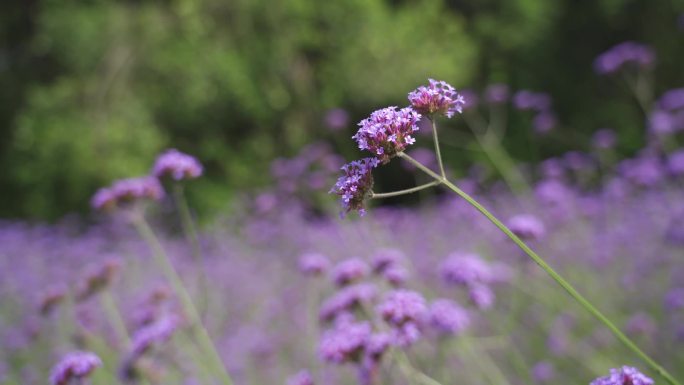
448	317
402	306
438	97
623	54
349	270
301	378
345	343
312	264
74	366
127	190
626	375
527	227
177	165
387	132
355	185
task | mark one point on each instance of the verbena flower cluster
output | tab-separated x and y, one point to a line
388	132
75	366
625	375
622	55
123	192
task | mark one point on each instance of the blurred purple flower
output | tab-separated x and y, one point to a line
336	119
401	306
438	97
127	190
675	162
527	227
313	264
177	165
552	168
624	54
544	122
481	296
661	122
301	378
641	324
497	93
470	99
405	335
604	139
383	259
527	100
157	332
543	371
672	100
674	299
349	270
345	342
346	299
378	344
396	275
466	269
624	376
448	317
387	132
74	366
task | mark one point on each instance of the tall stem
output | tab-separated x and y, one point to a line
189	309
556	277
435	137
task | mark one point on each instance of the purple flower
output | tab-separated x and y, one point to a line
466	269
626	375
74	366
623	54
301	378
97	278
126	191
527	227
378	344
543	371
402	306
313	264
346	299
345	342
355	185
387	132
448	317
336	119
672	100
438	97
675	162
177	165
527	100
604	139
544	122
641	323
661	122
157	332
51	298
552	168
674	299
385	258
396	275
349	270
405	335
497	93
481	296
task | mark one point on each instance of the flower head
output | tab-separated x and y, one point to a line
466	269
157	332
438	97
384	259
177	165
497	93
527	227
355	185
346	299
626	375
301	378
623	54
402	306
387	132
312	264
346	342
604	139
74	366
126	191
349	270
448	317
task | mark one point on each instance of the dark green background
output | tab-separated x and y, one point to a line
91	91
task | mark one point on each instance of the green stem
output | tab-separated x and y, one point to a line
114	316
437	150
556	277
403	192
189	309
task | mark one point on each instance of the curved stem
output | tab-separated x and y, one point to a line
437	150
405	191
556	277
189	309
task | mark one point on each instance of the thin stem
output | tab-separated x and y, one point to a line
437	150
405	191
169	271
114	316
556	277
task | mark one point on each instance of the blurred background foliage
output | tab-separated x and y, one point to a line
91	91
